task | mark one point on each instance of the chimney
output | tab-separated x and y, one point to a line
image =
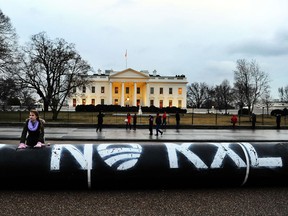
154	72
99	72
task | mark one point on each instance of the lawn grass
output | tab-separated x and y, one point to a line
118	118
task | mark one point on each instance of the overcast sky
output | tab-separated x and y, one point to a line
199	38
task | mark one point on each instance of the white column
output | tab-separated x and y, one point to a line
122	94
147	94
110	93
135	94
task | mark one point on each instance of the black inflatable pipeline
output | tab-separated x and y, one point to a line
133	165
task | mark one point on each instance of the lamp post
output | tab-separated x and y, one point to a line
20	113
192	115
68	113
263	115
216	117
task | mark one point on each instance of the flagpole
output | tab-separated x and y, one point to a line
126	58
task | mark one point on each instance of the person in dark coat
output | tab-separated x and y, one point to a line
34	127
177	117
100	117
158	122
253	119
278	120
151	121
134	121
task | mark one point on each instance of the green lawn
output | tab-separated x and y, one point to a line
118	118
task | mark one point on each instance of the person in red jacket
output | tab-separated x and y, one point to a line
234	120
128	121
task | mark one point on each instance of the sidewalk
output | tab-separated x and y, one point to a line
142	135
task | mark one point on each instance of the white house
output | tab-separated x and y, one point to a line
132	88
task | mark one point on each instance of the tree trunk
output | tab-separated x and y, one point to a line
46	107
54	114
46	104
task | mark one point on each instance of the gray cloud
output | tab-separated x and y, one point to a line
276	46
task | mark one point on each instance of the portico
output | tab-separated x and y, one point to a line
129	88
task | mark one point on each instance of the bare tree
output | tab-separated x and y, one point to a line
9	91
209	101
267	100
283	94
8	43
250	82
197	94
52	68
224	95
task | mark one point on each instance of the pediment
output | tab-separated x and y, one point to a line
129	74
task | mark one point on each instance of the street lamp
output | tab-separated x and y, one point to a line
263	115
192	114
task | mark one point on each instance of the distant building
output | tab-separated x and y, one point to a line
132	88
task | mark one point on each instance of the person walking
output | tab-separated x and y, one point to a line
234	120
158	122
134	121
128	121
177	117
100	121
164	120
34	127
151	120
253	119
278	120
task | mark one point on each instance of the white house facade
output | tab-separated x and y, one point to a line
132	88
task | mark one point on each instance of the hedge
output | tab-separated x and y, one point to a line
131	109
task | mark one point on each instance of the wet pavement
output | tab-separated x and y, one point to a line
66	134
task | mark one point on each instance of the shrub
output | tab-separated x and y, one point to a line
131	109
243	111
277	112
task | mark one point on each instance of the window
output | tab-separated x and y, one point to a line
170	103
74	102
102	101
116	102
161	103
152	90
161	91
179	103
138	90
138	102
83	101
180	91
116	90
151	102
93	89
127	90
102	89
170	90
74	90
93	101
84	89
